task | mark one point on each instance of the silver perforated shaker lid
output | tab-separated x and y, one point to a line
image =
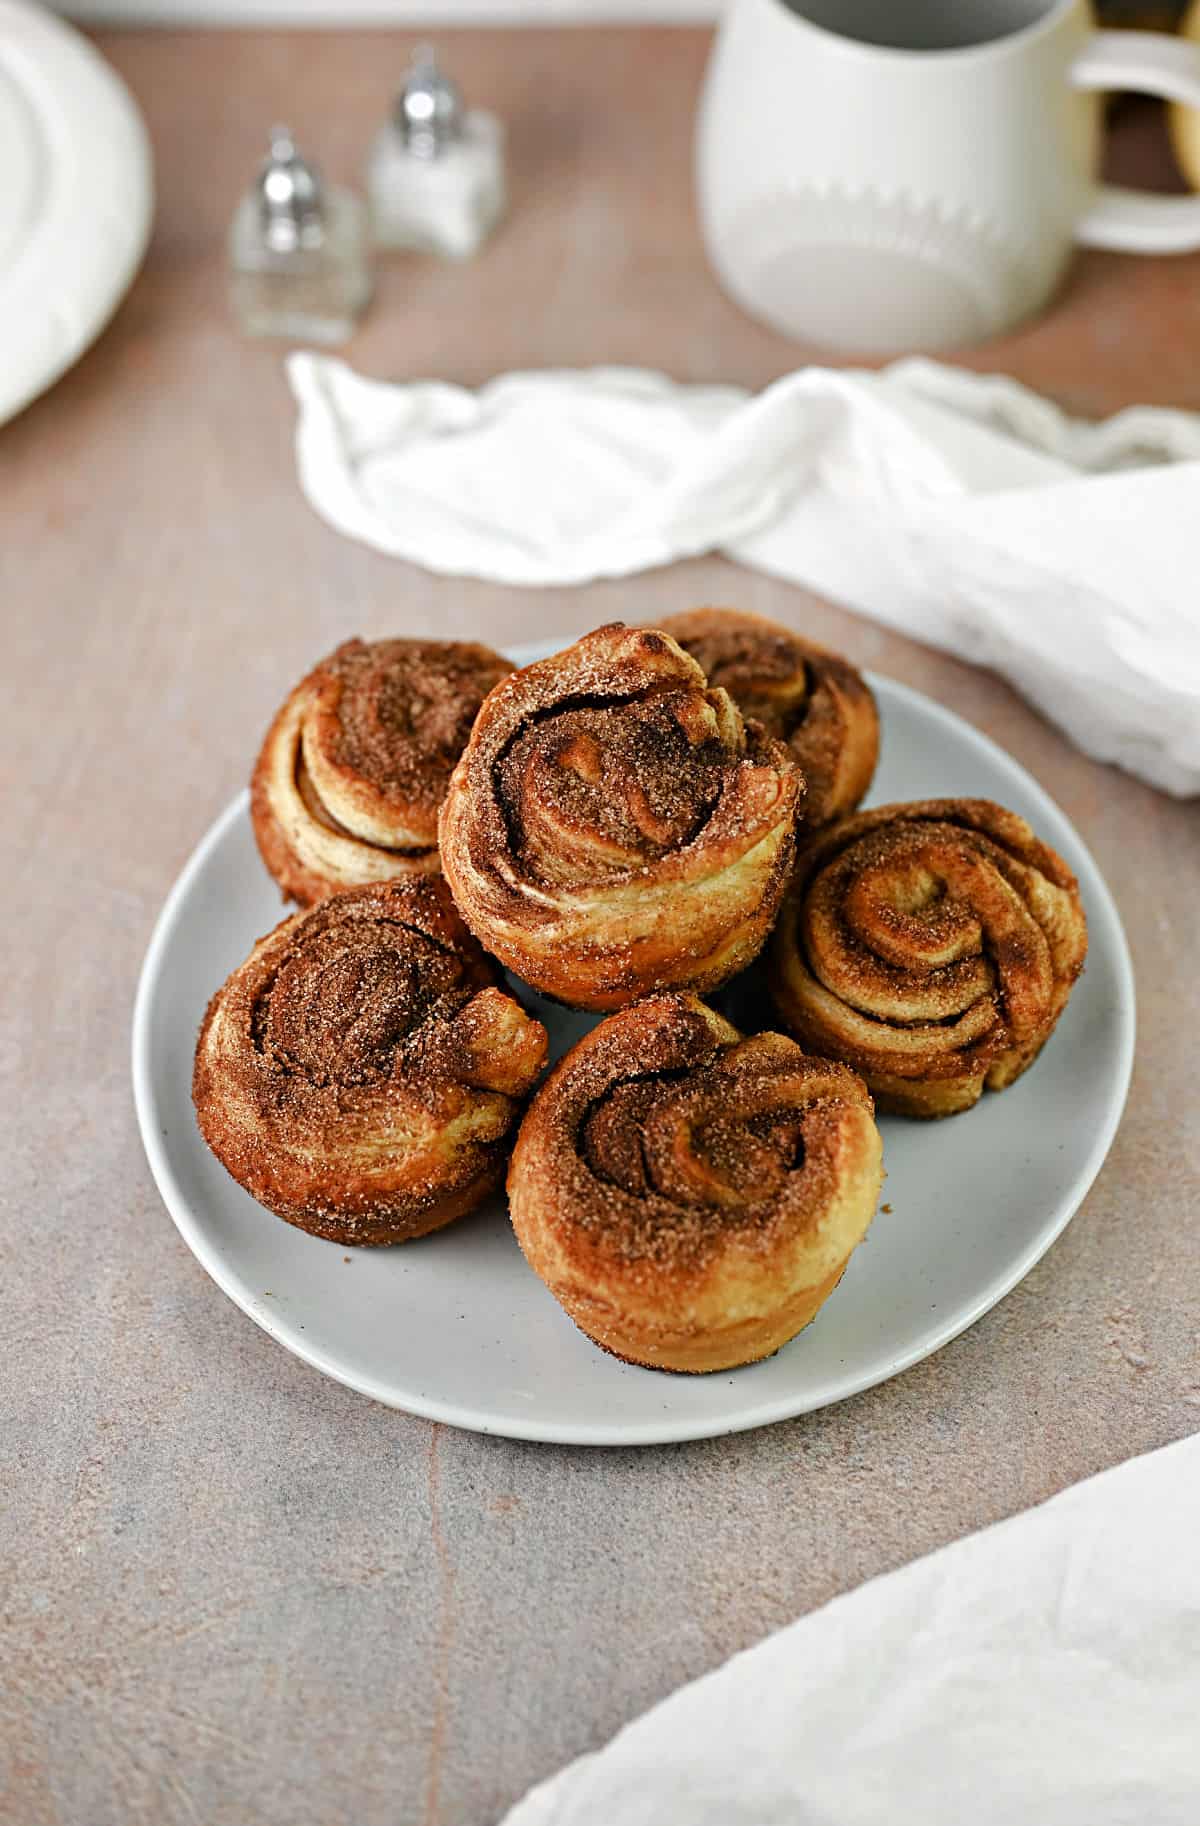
429	108
291	197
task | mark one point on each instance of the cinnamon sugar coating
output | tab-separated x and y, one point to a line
354	768
931	946
361	1073
689	1196
614	827
813	700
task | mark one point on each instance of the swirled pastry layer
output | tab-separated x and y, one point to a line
360	1074
689	1196
613	828
355	766
931	946
813	700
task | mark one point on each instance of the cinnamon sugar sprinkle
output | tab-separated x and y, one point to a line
764	668
404	710
663	1146
604	758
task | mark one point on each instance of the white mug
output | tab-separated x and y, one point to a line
911	174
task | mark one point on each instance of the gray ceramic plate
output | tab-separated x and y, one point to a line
456	1327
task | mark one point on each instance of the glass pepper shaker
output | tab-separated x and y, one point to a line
299	252
435	173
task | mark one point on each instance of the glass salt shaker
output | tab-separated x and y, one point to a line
299	252
435	173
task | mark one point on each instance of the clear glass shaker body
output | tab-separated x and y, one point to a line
314	291
445	204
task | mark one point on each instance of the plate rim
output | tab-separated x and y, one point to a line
96	238
1102	907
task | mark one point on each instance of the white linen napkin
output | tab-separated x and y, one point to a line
1045	1672
963	510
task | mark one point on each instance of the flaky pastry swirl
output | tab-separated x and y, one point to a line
613	827
360	1074
354	767
931	946
689	1196
813	700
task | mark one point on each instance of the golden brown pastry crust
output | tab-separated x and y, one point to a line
349	780
813	700
689	1196
614	828
360	1074
931	946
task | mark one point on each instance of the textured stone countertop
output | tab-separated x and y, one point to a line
235	1591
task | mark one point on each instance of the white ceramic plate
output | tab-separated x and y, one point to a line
76	198
455	1326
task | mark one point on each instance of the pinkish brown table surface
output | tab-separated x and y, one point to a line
234	1591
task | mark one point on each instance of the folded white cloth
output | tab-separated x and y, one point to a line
965	511
1044	1671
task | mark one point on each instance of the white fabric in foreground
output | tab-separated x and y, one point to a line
1045	1672
965	511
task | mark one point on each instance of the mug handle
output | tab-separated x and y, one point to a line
1136	221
